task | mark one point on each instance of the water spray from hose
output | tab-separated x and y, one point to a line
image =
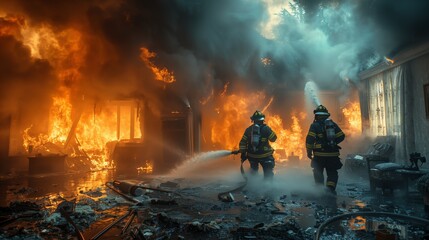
312	92
209	155
202	157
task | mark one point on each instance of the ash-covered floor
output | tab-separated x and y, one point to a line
289	208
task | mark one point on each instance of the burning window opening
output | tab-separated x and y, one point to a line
91	135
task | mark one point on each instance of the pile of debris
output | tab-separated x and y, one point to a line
130	210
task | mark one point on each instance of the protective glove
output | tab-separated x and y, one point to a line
243	157
310	153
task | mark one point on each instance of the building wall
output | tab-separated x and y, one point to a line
419	75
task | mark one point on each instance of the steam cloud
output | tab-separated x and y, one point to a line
207	44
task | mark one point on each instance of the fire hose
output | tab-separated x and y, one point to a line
227	196
375	214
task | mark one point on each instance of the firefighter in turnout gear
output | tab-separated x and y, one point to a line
322	148
255	146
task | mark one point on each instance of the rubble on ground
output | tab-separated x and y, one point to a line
196	213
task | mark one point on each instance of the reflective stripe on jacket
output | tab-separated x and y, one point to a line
316	140
263	149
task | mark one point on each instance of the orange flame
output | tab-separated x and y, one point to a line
391	61
60	123
88	131
225	88
163	74
357	223
61	119
11	25
291	140
353	118
204	101
232	118
148	168
94	130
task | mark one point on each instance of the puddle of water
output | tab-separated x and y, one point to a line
51	186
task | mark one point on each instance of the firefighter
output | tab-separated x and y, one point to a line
255	146
322	142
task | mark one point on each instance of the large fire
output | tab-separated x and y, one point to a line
353	118
77	131
60	123
233	118
290	139
86	128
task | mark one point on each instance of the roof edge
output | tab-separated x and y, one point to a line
400	58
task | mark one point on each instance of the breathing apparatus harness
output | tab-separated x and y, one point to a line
328	127
329	133
255	137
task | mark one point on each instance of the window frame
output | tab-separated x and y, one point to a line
426	98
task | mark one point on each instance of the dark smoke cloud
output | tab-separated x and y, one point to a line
209	43
26	84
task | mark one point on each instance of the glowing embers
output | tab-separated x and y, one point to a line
357	223
351	112
163	74
147	168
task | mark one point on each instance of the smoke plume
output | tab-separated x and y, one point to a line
93	49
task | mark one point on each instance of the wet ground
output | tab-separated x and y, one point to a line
289	208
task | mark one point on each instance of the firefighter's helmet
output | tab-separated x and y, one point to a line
321	110
257	116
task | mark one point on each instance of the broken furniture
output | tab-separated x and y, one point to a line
387	175
42	164
379	152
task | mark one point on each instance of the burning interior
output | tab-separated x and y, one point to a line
102	90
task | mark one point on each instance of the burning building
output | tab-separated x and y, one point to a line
139	87
111	79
